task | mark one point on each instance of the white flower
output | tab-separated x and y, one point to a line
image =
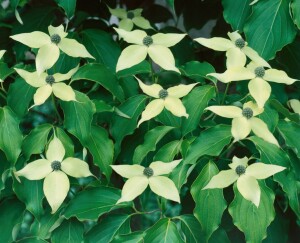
49	46
165	98
244	121
246	177
2	53
54	169
258	86
140	177
156	46
295	105
47	84
128	18
236	49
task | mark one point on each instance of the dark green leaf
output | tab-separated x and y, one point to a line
191	228
69	6
198	70
280	108
135	237
167	152
5	71
270	117
295	6
143	67
70	231
66	141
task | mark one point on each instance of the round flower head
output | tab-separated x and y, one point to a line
236	49
49	46
245	176
140	177
258	86
54	169
165	98
156	46
130	18
244	121
47	84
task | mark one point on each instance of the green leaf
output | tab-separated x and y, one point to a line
164	231
35	141
121	126
295	6
107	228
10	134
270	117
100	74
101	106
253	221
290	131
280	108
11	213
195	103
78	116
135	237
5	71
277	31
70	231
210	142
31	240
167	152
31	193
191	229
236	12
91	203
102	149
102	46
143	67
151	139
271	154
66	141
69	7
19	96
207	211
198	70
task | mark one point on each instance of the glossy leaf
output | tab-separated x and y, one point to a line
70	231
191	228
68	6
198	70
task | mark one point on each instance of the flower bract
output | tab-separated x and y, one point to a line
2	52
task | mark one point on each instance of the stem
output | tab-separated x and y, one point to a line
225	93
55	108
227	149
2	87
152	71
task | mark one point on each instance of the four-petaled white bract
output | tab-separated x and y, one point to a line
49	46
129	18
259	89
246	177
236	49
157	48
170	101
56	183
47	84
138	182
244	121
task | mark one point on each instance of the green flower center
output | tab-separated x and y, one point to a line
247	112
148	172
259	72
240	43
147	41
163	94
130	15
56	165
240	170
50	79
55	39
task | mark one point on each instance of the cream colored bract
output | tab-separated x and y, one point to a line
129	18
138	180
168	99
244	121
156	46
246	177
295	105
49	46
47	84
54	169
2	52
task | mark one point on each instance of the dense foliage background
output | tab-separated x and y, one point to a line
103	126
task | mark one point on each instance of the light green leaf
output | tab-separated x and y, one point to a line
70	231
253	221
102	75
151	139
210	142
69	6
277	31
164	231
93	202
207	211
191	229
10	134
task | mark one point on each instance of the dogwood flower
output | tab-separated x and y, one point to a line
245	176
295	105
47	84
2	53
258	86
55	170
129	18
140	177
236	49
156	46
165	98
49	46
244	121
